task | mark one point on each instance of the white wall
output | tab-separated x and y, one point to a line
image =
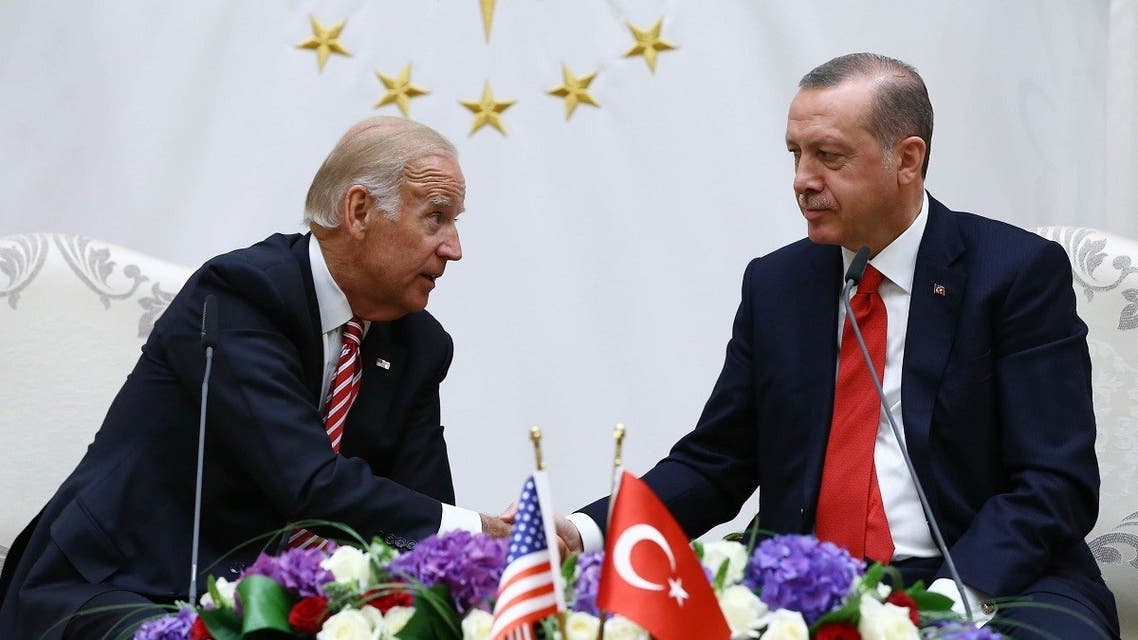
602	255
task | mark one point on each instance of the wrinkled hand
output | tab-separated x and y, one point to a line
495	527
510	513
569	538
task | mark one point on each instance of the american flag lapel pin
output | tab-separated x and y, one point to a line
382	364
939	290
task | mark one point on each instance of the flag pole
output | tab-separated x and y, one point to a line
539	463
614	483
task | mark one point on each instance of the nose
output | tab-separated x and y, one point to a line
451	248
806	176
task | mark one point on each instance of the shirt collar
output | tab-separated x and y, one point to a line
333	304
898	261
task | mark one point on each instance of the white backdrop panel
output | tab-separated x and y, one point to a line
602	255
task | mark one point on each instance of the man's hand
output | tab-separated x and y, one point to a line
568	535
495	527
568	538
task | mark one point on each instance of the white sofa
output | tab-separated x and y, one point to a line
1106	284
73	314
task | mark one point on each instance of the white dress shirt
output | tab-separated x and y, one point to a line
334	314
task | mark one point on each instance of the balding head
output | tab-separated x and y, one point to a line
375	154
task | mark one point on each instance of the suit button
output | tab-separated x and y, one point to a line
988	607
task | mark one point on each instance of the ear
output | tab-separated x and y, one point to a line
354	210
910	157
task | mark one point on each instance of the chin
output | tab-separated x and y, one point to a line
821	236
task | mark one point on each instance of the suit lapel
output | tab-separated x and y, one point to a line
312	347
934	309
383	361
820	289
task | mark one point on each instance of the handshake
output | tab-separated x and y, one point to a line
568	537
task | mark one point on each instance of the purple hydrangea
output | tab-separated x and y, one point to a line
168	627
955	630
297	570
802	574
588	579
469	564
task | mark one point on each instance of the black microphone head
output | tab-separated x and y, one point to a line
857	265
209	322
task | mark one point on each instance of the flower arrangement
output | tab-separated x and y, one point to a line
791	587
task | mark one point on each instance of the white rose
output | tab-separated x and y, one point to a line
349	624
718	551
884	621
349	564
225	589
786	625
395	619
476	625
620	628
581	626
744	612
375	619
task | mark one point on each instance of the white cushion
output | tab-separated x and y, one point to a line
73	313
1106	283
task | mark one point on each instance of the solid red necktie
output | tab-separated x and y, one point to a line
342	392
850	510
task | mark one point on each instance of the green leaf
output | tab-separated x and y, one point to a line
434	617
223	624
697	547
721	575
265	603
928	601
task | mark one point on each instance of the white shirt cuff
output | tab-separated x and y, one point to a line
456	518
591	537
947	588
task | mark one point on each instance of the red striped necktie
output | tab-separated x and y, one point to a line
850	512
342	392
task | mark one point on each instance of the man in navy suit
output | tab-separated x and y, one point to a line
985	366
382	211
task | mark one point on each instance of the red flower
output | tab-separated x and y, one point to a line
307	615
902	599
838	631
199	631
395	599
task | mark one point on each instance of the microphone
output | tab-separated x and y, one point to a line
209	341
853	277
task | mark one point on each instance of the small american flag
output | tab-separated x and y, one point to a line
530	588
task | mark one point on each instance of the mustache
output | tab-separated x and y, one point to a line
814	201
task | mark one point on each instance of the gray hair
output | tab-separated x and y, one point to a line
901	106
373	154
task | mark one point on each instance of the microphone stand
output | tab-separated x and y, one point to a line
853	277
209	340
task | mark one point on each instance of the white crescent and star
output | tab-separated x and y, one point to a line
622	560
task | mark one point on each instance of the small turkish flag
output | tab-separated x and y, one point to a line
650	574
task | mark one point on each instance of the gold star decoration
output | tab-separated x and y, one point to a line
574	90
487	110
648	43
487	16
324	41
399	90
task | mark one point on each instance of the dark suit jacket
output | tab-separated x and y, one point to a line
123	519
996	404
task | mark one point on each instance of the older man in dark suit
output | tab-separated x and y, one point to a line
972	324
323	401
